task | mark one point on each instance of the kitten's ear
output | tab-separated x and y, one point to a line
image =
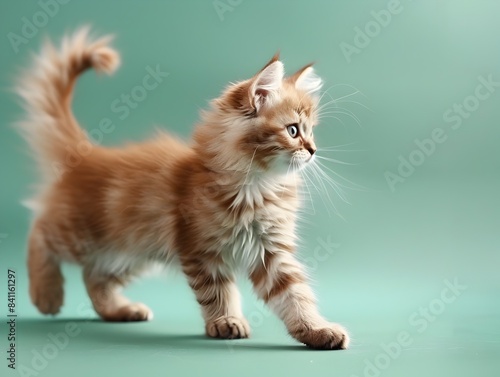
265	86
307	80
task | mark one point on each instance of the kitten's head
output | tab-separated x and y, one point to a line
264	123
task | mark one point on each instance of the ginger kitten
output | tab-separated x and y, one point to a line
225	203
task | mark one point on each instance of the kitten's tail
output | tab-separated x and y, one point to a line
46	89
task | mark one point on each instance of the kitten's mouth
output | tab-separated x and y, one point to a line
294	162
302	163
306	161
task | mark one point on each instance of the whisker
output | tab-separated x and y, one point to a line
336	161
337	148
315	170
287	172
302	173
250	165
340	150
340	98
334	117
333	106
336	101
327	91
325	191
335	186
311	181
359	104
343	112
356	185
345	85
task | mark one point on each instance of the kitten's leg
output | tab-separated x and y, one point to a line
109	303
46	280
282	284
219	298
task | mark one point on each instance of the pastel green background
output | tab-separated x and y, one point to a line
394	250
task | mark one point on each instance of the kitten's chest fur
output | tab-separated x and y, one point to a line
259	219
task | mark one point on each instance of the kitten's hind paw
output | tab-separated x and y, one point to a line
129	313
228	328
48	299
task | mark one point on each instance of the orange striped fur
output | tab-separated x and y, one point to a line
223	204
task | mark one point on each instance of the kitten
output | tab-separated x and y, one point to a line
226	202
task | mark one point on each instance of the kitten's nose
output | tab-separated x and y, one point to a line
311	150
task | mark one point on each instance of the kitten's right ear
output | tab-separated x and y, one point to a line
307	80
265	86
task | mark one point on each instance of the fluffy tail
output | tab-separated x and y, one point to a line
46	89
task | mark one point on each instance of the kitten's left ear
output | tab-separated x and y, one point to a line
265	86
307	80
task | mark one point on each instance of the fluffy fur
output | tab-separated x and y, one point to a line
225	203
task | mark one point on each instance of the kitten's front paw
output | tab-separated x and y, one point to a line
330	337
228	328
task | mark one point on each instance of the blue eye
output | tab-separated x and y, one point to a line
293	130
